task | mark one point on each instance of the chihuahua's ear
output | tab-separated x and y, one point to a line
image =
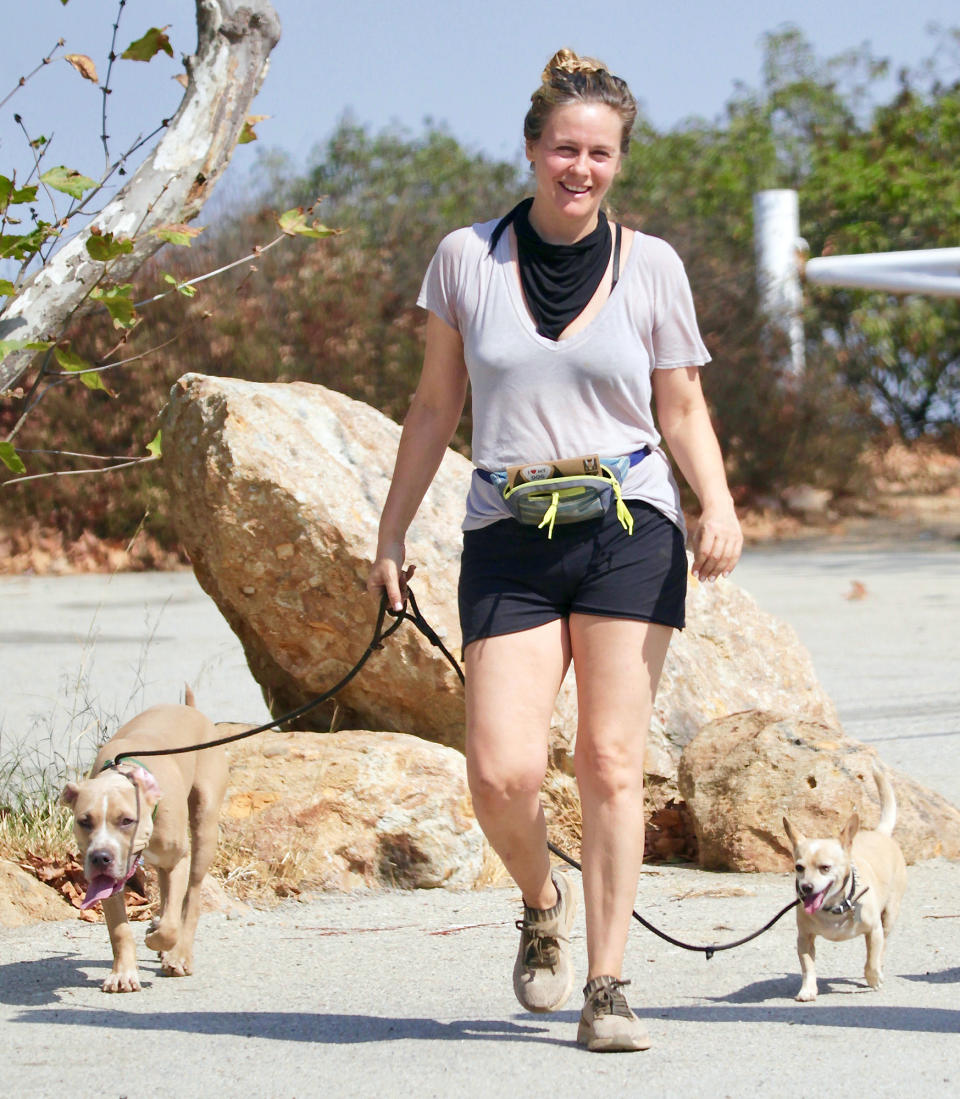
850	829
795	837
69	795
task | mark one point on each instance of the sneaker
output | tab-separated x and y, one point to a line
543	974
607	1025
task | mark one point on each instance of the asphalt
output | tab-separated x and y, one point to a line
393	993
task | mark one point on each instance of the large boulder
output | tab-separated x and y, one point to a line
24	900
352	810
276	491
741	775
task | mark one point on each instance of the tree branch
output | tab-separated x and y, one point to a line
234	41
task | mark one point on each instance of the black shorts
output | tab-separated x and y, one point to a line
513	577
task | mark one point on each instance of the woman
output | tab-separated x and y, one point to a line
566	332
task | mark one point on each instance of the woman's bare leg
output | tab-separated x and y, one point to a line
618	664
511	686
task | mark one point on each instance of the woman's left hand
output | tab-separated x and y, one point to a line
717	542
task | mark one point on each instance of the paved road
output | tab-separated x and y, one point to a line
394	993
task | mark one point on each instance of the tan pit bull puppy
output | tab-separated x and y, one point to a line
165	809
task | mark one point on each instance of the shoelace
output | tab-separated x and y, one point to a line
543	950
609	1000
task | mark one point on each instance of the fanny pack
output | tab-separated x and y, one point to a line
568	490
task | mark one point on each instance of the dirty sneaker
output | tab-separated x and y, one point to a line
607	1025
543	974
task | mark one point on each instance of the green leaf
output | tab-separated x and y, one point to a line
11	194
70	361
6	287
22	245
149	45
247	134
8	346
294	223
94	380
180	287
105	246
67	180
11	459
177	234
118	301
155	446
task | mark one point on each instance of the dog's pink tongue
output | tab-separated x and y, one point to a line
811	904
100	888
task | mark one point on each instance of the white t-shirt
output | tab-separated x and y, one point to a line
537	399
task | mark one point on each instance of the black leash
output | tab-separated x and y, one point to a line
379	636
707	951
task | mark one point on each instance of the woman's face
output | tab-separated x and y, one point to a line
575	160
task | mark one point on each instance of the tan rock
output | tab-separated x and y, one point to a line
276	491
352	810
24	900
742	774
732	656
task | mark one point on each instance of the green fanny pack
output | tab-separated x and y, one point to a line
568	490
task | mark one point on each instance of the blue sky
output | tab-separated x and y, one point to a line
471	66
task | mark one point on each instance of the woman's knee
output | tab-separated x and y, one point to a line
609	766
494	783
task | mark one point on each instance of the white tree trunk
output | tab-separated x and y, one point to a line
234	40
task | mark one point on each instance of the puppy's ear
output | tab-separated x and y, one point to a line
850	829
795	837
148	785
69	795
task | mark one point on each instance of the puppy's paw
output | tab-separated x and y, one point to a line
176	963
806	995
122	980
874	977
161	939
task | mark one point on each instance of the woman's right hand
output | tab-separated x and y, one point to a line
388	574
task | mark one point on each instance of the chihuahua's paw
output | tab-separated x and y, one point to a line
806	995
122	980
874	977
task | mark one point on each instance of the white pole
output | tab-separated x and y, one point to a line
776	235
934	271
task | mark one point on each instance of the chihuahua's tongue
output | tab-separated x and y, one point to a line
100	888
811	904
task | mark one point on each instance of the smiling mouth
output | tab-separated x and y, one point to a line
813	903
573	190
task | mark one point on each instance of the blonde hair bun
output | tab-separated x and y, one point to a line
570	78
566	61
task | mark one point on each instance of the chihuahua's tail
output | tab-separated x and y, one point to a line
888	803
